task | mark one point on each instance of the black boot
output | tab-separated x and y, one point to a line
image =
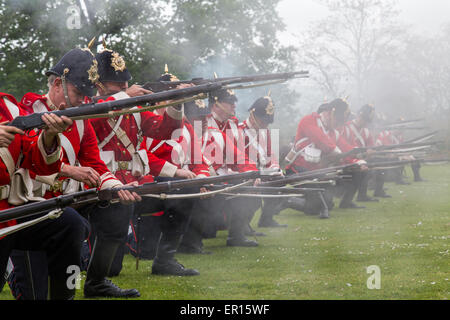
268	210
237	230
362	191
96	285
350	191
381	194
59	289
249	231
165	262
296	203
350	205
366	199
347	202
269	222
416	171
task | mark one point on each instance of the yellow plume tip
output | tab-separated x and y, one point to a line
91	43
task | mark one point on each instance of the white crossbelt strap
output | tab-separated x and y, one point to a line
8	160
70	152
175	145
13	109
358	136
116	127
253	141
122	136
111	134
5	154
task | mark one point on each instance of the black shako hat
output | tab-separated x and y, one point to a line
367	113
80	68
263	109
166	76
196	108
112	67
222	95
340	107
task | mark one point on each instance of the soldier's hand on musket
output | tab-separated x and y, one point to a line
185	85
54	125
277	172
363	165
185	174
83	174
203	190
127	197
7	134
136	91
257	182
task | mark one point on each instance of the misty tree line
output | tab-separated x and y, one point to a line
360	51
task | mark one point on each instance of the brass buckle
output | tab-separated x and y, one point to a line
57	187
123	165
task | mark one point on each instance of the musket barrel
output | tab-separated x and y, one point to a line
34	121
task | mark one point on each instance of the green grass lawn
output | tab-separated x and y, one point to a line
406	236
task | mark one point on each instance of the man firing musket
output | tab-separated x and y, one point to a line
70	80
318	141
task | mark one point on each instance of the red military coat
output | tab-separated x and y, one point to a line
151	125
357	137
312	132
386	138
258	146
181	152
224	148
35	158
79	143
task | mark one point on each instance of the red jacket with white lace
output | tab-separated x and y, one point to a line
311	131
386	138
258	146
79	140
182	151
31	149
151	125
224	148
357	137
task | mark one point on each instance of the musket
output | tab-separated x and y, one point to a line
273	190
399	163
402	128
84	111
393	147
423	138
334	158
107	195
331	173
399	125
158	86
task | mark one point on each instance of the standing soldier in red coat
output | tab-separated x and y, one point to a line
259	148
358	134
124	143
24	156
71	80
221	149
183	153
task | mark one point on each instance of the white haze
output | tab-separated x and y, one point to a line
423	16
